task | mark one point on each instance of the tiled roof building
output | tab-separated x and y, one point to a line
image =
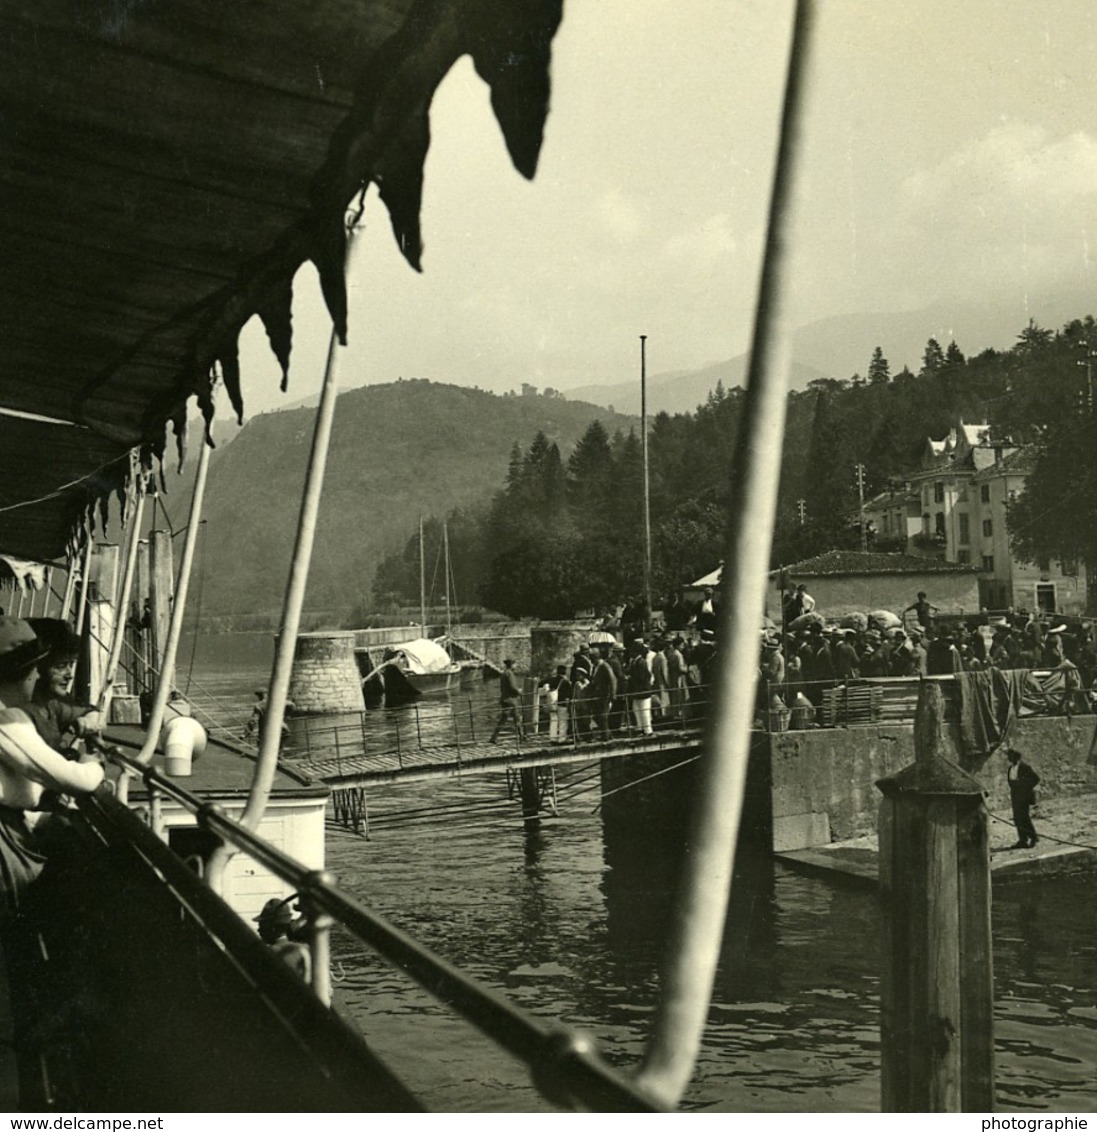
965	485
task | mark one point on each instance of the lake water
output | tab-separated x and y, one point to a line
570	924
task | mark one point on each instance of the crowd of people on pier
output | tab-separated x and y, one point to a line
638	674
809	654
635	675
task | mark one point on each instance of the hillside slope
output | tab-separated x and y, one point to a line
681	391
398	451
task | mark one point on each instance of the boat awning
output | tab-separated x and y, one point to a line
165	169
423	656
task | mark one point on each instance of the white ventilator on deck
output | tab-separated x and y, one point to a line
183	740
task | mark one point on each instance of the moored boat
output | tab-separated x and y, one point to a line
421	667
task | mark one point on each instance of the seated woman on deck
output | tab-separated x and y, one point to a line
59	718
29	768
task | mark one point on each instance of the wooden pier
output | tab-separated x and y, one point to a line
421	762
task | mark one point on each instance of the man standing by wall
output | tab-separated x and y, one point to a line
1023	781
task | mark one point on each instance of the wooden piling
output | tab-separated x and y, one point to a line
936	988
161	594
530	789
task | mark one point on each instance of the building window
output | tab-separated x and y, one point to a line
939	520
938	492
988	563
988	528
964	536
963	557
1069	567
925	523
984	492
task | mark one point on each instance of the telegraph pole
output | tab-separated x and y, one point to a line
859	471
1088	363
647	486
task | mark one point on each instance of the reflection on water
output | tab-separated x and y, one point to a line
568	915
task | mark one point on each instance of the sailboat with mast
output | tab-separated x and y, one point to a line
420	666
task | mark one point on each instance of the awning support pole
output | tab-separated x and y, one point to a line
122	613
82	604
278	692
70	587
702	902
175	629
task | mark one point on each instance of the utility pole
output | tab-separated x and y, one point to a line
1087	361
422	581
647	487
802	510
859	472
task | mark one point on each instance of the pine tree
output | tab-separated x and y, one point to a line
879	373
954	356
1033	339
933	359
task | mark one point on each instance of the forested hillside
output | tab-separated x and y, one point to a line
542	496
398	451
564	531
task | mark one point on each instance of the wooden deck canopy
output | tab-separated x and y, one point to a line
166	167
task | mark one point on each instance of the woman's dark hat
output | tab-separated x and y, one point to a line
20	648
57	637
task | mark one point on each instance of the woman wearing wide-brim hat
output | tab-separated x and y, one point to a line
59	718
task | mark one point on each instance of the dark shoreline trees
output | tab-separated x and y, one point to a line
564	533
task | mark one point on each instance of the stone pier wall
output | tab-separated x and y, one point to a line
325	676
824	781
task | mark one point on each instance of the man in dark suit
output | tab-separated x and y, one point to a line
1023	781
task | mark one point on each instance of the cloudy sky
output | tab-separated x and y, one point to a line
950	156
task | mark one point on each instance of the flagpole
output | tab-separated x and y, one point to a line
647	484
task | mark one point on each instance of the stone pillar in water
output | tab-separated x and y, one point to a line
325	675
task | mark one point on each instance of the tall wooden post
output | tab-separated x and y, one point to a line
101	584
530	706
530	791
937	985
140	633
161	590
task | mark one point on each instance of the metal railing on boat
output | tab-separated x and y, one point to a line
563	1062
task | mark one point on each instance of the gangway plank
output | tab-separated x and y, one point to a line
453	760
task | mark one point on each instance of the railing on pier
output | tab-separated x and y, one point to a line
462	726
564	1064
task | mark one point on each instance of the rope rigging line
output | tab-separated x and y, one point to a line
214	724
1045	836
646	778
62	488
